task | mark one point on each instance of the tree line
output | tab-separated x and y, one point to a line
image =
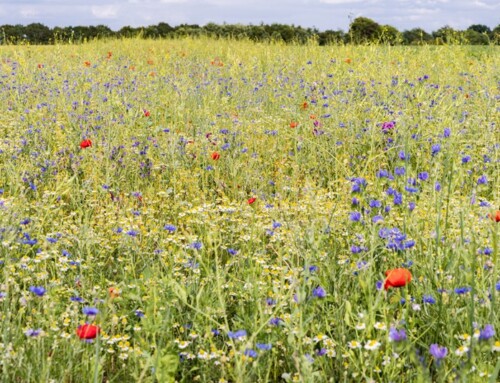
362	30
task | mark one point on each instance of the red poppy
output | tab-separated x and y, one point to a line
397	278
147	113
87	331
86	63
304	105
294	124
85	144
495	217
113	292
215	156
251	200
40	66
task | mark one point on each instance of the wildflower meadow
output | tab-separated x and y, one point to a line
227	211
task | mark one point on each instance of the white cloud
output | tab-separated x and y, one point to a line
104	11
340	1
28	12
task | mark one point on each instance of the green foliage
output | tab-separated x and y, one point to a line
361	31
364	30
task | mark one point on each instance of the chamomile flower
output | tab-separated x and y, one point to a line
461	350
372	345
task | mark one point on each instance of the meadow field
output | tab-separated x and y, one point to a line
219	211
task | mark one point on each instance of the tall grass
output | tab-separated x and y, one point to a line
358	160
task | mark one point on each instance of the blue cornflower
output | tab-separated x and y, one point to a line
232	251
382	173
272	302
379	285
483	180
196	245
90	311
38	290
487	332
398	198
28	240
497	286
33	333
356	249
321	352
264	346
409	244
355	201
170	228
77	299
438	352
435	149
446	132
139	313
313	268
375	203
423	176
377	218
275	321
355	216
52	240
399	170
429	299
462	290
239	334
358	184
465	159
319	292
397	335
437	186
250	353
132	233
411	206
25	221
403	156
276	225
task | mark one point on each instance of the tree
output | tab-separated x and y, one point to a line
480	28
475	38
447	35
11	34
37	33
495	35
364	30
416	36
330	37
390	35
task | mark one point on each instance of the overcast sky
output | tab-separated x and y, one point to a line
322	14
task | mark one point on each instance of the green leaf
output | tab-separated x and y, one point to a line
166	368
